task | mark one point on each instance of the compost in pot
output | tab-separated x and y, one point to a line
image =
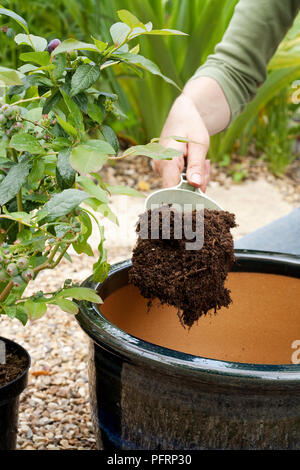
15	364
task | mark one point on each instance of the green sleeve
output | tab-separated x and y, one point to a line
239	63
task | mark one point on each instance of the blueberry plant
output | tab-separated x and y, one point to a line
54	139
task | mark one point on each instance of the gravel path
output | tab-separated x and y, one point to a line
54	409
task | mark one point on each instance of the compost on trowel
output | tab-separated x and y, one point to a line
192	280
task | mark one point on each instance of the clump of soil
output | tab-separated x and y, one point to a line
191	280
14	366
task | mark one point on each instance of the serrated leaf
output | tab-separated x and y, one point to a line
72	44
84	77
40	58
65	174
38	43
63	203
26	143
13	181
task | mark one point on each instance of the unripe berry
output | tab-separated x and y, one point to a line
53	45
22	263
27	275
3	275
12	269
18	281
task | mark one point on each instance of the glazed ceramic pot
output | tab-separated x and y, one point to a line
9	398
231	382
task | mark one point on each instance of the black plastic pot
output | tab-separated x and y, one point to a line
145	396
9	400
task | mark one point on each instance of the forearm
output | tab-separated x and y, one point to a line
210	101
239	63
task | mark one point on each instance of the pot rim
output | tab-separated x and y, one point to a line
18	384
117	341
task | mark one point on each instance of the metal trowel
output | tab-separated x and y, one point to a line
180	195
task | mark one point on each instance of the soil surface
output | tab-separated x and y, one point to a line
14	366
190	279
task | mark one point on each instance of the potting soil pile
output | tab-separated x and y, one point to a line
190	279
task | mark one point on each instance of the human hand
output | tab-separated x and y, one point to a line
185	121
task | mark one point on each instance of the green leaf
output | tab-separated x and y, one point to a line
81	293
111	137
91	156
158	32
124	190
13	181
21	314
59	62
72	44
67	305
101	46
63	203
66	126
51	101
103	208
40	58
95	113
17	18
153	150
81	245
37	172
74	111
9	77
36	42
129	19
146	64
65	174
94	190
34	309
85	76
26	143
119	32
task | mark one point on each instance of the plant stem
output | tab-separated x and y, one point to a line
6	290
19	198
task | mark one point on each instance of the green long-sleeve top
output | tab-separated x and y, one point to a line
239	63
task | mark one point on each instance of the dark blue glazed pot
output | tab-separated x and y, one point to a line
145	396
9	399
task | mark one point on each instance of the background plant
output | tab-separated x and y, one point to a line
54	141
146	103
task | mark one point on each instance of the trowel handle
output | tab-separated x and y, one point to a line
184	183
